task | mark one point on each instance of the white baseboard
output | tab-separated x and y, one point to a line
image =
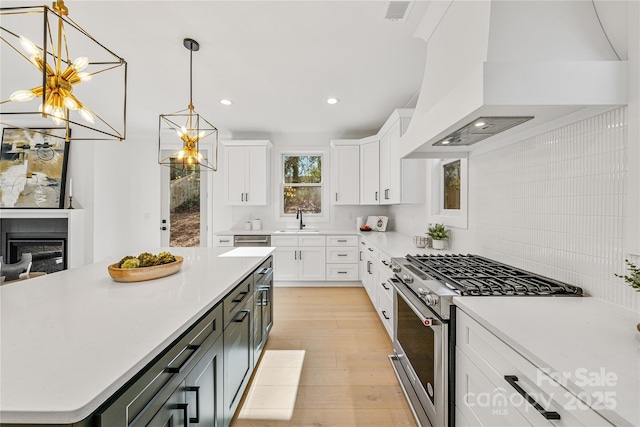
316	284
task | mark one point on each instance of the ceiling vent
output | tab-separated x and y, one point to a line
397	10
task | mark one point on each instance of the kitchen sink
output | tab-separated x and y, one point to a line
296	231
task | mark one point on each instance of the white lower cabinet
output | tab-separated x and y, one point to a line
299	258
374	273
496	386
342	258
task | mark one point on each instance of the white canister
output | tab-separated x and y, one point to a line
247	225
359	222
257	225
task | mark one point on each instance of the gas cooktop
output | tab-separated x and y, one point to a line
474	275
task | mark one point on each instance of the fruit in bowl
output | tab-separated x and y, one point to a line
365	228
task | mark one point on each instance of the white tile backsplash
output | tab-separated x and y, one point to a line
554	204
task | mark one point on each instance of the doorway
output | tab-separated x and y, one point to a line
184	209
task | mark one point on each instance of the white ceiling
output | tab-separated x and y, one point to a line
277	60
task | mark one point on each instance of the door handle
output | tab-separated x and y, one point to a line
549	415
191	347
184	407
163	228
195	419
246	197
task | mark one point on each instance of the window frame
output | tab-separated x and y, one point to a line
324	216
457	218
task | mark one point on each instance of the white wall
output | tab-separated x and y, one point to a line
553	204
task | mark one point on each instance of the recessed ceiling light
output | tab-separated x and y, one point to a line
226	102
446	141
480	124
332	101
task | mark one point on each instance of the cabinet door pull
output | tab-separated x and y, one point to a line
384	286
549	415
243	293
190	347
246	197
376	196
384	314
242	197
184	407
336	197
295	255
369	267
195	419
300	255
360	255
243	313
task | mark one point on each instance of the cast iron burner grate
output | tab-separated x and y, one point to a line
474	275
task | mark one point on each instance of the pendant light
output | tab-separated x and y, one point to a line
189	127
74	80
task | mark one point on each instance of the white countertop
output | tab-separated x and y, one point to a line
272	231
570	334
69	340
396	244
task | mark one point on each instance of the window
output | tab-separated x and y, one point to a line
302	184
449	192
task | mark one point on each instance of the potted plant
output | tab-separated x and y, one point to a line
438	235
633	279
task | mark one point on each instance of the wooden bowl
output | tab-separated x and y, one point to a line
144	273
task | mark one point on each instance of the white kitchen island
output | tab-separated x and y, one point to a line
70	340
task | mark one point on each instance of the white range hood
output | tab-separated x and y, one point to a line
536	60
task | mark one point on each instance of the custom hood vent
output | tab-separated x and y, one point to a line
519	66
481	128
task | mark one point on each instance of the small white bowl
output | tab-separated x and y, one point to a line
420	241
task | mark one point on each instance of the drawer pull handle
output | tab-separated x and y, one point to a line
243	293
549	415
190	347
342	254
342	272
384	313
243	313
184	407
370	249
195	419
384	286
342	240
385	262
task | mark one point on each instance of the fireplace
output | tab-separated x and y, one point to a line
49	252
46	239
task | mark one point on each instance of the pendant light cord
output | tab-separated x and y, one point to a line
190	77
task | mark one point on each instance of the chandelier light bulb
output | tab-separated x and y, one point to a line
85	77
80	63
22	95
29	47
87	115
70	103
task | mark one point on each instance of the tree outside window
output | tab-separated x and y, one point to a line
452	185
302	187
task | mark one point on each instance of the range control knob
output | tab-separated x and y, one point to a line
407	279
395	268
430	300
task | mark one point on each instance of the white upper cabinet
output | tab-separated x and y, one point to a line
247	172
370	172
345	172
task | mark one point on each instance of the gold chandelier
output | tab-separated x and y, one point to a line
60	75
190	127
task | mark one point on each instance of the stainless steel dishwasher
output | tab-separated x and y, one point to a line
252	240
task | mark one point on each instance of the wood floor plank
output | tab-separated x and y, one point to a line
346	378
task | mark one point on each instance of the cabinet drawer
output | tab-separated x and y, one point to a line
237	299
312	240
284	240
224	240
342	240
342	271
342	255
496	360
139	400
384	287
372	251
385	310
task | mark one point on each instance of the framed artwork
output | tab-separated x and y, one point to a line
33	168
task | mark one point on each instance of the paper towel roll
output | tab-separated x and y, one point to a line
359	222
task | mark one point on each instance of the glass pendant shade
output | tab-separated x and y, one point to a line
55	74
188	129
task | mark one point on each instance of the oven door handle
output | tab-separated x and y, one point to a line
426	321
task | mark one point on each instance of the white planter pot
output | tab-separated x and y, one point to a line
438	244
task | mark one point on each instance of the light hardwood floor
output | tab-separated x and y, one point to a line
325	364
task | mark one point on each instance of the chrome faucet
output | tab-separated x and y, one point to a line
299	216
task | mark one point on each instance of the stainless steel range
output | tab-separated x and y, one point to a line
424	338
